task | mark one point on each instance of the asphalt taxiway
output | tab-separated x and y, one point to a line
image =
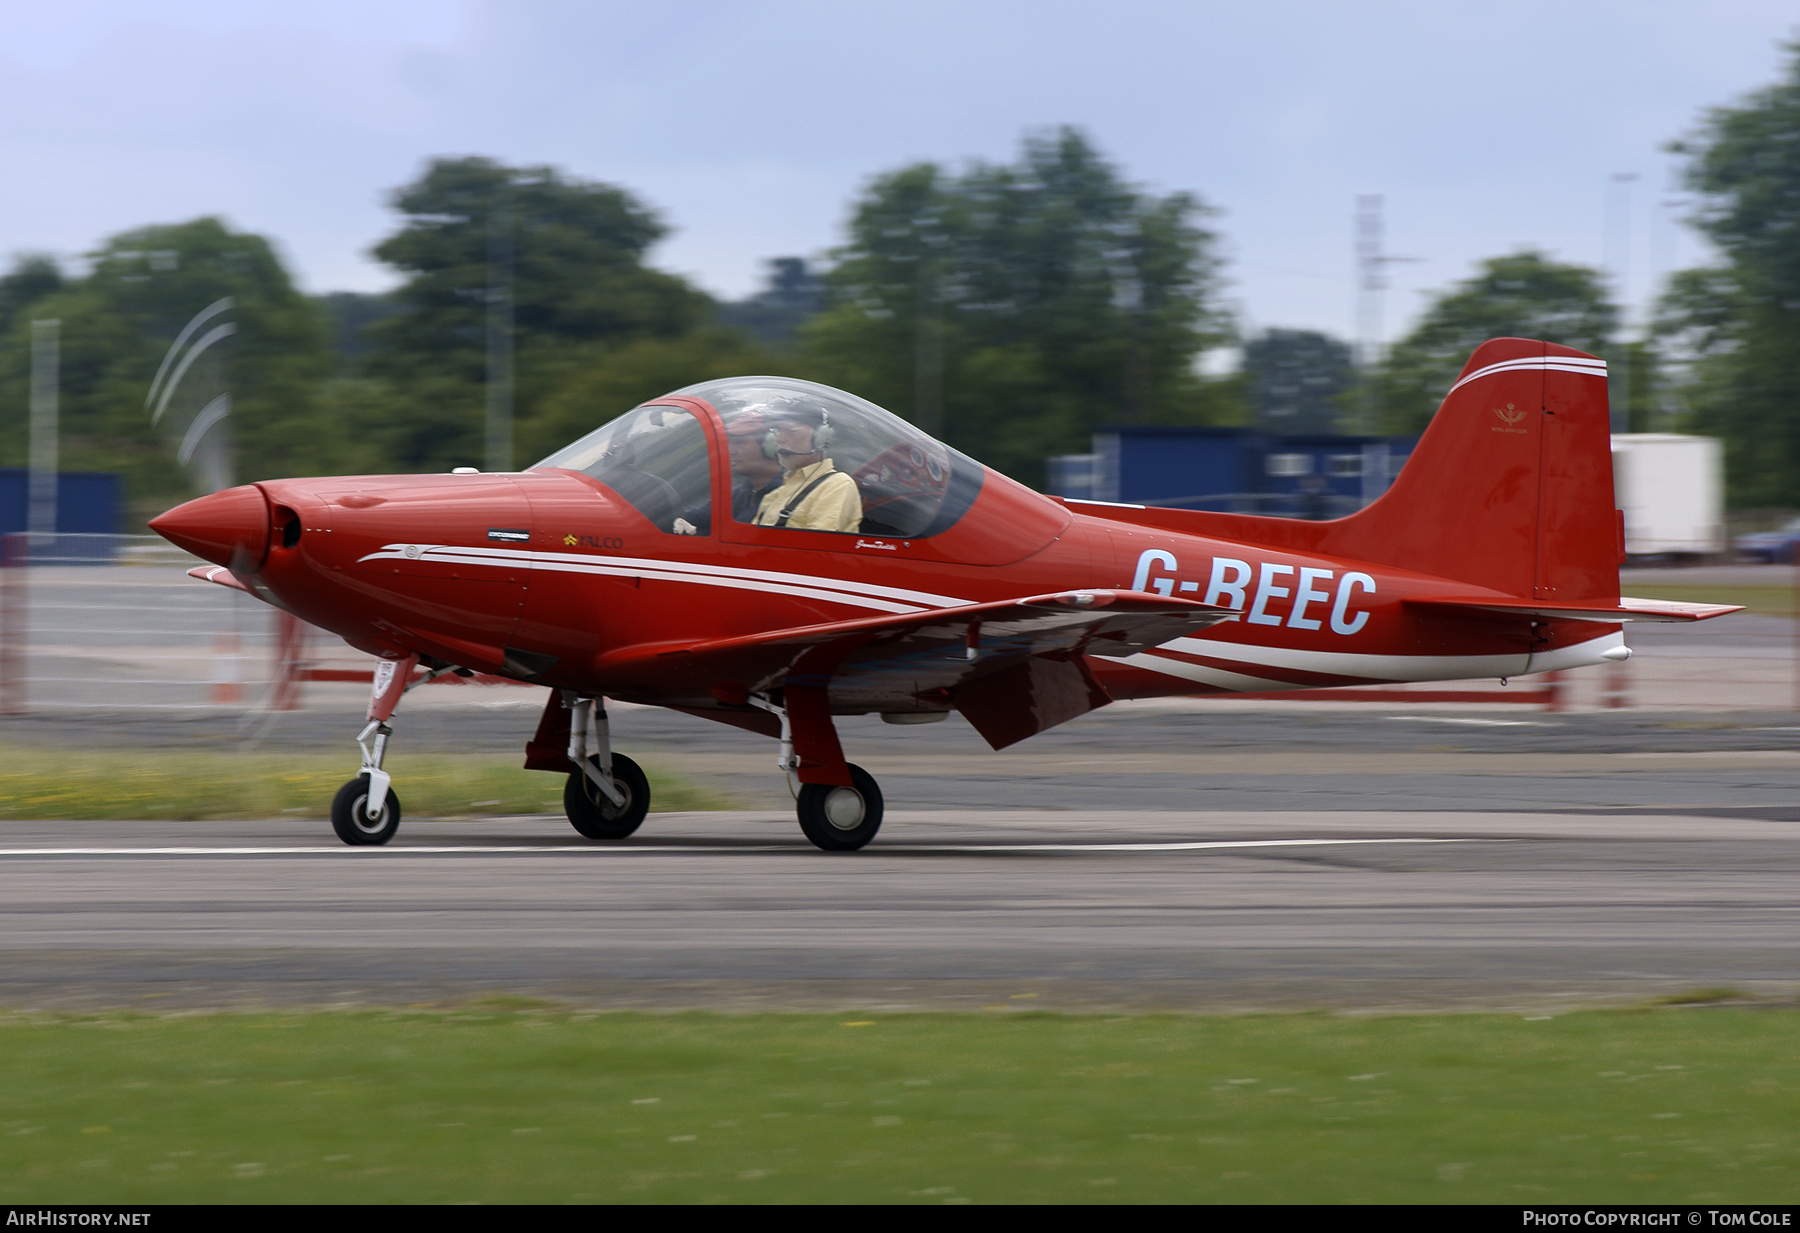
1177	909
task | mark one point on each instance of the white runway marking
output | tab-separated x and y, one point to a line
1476	723
1160	847
629	850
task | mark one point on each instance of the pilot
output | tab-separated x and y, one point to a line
755	471
813	494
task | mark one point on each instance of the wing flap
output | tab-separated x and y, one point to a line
1029	697
1625	609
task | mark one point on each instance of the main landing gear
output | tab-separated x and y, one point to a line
840	819
607	795
836	817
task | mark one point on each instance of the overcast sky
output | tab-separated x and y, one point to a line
750	126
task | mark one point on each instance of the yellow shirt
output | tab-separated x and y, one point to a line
834	505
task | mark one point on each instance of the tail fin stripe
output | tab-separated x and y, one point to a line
1559	363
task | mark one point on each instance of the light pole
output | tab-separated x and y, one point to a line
46	373
1617	242
1371	281
500	332
928	330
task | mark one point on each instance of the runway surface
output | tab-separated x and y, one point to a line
1016	909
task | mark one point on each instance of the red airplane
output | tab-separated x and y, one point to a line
770	553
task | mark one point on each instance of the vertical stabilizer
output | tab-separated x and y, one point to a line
1510	487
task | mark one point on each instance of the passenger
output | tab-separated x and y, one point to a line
755	471
814	495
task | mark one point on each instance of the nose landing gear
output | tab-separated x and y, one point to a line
365	811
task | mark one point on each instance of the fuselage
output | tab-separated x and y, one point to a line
543	574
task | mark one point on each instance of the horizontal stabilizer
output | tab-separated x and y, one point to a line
1624	610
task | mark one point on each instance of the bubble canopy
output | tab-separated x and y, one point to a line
656	457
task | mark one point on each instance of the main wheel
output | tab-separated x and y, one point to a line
598	818
350	818
841	819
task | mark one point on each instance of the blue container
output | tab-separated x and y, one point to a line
1234	470
87	502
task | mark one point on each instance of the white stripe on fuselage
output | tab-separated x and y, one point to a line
805	586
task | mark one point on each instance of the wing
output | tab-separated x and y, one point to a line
1012	667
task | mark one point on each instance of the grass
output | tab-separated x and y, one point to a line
186	786
1765	600
506	1103
1705	997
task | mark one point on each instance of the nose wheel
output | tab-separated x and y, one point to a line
359	825
840	819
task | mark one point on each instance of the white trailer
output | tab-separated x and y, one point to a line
1671	487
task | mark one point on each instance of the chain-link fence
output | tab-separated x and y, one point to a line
105	622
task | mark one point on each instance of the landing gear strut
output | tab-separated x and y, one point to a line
607	795
836	817
365	811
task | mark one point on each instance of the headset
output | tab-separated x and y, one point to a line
822	434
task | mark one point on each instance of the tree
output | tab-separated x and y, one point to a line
1014	309
1297	380
117	325
572	253
1522	295
34	277
1737	325
774	315
348	316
